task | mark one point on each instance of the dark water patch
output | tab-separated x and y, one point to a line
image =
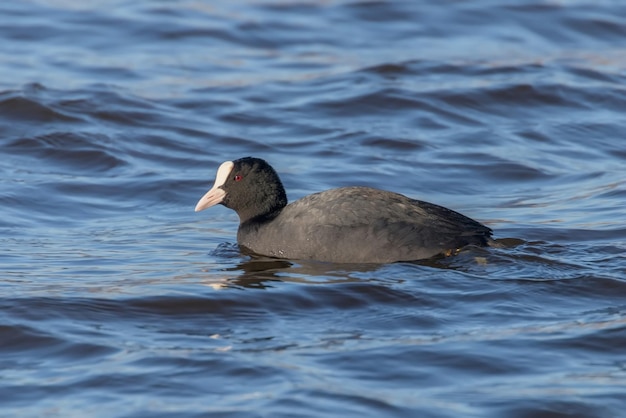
619	192
537	96
345	401
16	107
556	407
522	100
602	27
604	75
19	339
46	348
378	102
603	135
579	23
247	119
73	151
593	337
573	235
491	168
108	106
394	144
364	143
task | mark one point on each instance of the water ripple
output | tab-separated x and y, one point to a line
116	296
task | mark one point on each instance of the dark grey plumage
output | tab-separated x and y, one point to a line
344	225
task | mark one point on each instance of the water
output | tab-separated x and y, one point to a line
117	300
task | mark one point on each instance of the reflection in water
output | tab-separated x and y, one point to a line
258	271
255	271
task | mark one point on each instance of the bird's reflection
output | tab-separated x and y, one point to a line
261	272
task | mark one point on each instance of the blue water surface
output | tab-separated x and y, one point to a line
117	300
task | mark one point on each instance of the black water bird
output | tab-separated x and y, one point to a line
344	225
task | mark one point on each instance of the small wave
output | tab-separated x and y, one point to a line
84	151
16	107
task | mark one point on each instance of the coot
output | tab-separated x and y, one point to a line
344	225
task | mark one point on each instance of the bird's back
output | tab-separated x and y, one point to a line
361	224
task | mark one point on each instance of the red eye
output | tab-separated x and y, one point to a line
238	177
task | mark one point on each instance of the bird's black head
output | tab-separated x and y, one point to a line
249	186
